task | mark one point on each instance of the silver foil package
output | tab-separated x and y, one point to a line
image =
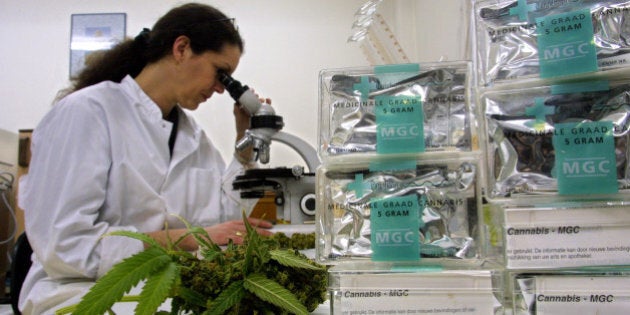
348	117
521	154
447	188
507	47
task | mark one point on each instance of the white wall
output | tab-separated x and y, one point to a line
287	42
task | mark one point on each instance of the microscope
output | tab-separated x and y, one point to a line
294	188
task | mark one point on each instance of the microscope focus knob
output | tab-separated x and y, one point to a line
279	199
307	204
297	170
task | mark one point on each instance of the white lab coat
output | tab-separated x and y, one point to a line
101	163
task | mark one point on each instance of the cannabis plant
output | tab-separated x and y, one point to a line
257	277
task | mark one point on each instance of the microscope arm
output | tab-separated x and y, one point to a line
305	150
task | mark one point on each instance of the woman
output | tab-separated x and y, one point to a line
119	153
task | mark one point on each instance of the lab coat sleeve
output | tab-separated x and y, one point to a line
65	188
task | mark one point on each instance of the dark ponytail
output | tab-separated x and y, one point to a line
208	29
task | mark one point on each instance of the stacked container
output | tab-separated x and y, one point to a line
483	187
553	96
399	192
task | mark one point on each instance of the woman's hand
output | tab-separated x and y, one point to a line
220	233
236	231
242	120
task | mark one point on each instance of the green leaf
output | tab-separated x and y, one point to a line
270	291
248	226
211	255
70	309
137	235
203	238
200	234
251	242
191	296
120	279
289	259
66	310
182	254
181	238
227	299
156	289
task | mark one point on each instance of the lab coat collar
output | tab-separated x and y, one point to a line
189	133
147	105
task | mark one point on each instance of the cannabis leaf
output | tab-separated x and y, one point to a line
227	299
252	239
198	233
139	236
189	296
289	259
218	283
113	285
270	291
157	289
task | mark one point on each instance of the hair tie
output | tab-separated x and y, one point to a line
143	37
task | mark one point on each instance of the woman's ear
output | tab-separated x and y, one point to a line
180	45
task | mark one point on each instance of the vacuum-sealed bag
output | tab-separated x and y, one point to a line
569	139
515	39
429	209
405	108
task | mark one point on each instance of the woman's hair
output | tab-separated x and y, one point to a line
208	29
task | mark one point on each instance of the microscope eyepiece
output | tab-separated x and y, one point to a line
234	87
240	93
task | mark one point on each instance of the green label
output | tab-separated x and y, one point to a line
364	87
397	163
566	44
358	186
399	124
405	68
390	75
522	9
585	158
395	224
580	87
540	112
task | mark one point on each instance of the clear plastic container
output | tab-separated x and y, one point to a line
507	45
445	187
430	103
552	140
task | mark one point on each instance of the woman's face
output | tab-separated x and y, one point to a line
198	74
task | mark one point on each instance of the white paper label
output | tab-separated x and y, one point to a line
582	295
415	294
414	303
552	238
